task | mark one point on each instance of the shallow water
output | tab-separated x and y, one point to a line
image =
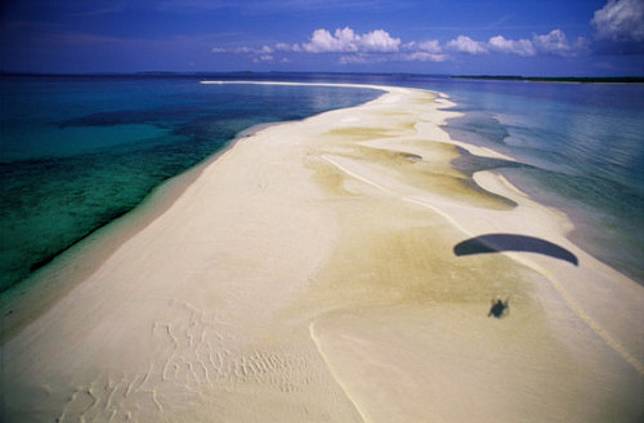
582	146
78	153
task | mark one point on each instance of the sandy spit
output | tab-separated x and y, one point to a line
309	274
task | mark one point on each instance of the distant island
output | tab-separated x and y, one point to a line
581	79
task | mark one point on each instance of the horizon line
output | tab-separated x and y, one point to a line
587	78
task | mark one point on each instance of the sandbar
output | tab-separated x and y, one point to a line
308	274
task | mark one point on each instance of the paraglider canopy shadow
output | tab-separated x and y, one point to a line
493	243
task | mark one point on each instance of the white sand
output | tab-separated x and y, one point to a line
308	274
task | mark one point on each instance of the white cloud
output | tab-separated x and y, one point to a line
345	40
430	46
555	42
620	20
465	44
365	46
522	47
264	50
423	56
378	46
288	47
322	41
380	41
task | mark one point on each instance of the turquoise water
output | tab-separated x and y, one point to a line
78	153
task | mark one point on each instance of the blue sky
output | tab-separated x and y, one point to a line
547	37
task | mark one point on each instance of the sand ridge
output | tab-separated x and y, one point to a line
308	274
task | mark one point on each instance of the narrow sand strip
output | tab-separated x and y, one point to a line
309	274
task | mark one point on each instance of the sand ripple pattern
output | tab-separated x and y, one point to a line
195	371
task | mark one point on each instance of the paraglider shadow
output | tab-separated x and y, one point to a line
494	243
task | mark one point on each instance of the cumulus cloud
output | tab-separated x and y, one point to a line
350	47
423	51
522	47
430	46
356	48
380	41
345	40
555	42
464	44
322	41
620	20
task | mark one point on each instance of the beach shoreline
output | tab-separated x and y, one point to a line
347	218
49	283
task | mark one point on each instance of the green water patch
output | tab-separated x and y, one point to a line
77	154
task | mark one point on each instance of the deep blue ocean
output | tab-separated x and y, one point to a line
76	153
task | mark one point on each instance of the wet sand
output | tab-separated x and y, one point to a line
309	274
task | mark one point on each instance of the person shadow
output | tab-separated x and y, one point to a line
499	308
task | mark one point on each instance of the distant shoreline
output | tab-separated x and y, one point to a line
317	76
572	79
